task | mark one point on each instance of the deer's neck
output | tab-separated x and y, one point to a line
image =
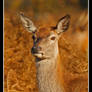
47	76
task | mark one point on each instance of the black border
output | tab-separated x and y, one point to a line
1	45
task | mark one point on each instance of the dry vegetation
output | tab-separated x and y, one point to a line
19	65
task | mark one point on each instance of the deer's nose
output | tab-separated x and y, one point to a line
35	49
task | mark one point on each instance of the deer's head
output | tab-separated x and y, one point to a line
45	40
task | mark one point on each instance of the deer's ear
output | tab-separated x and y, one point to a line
27	23
63	24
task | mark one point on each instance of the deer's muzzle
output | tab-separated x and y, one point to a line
35	49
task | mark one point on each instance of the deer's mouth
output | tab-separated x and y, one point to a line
40	57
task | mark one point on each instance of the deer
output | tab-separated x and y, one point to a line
46	52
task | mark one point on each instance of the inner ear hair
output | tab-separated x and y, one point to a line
63	24
65	17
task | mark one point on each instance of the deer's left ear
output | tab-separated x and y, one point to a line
27	23
63	24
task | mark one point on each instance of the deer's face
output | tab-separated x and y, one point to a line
45	40
45	47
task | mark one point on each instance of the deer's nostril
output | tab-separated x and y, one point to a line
35	49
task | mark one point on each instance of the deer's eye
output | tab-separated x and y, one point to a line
53	38
33	37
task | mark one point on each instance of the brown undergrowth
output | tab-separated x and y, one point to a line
19	65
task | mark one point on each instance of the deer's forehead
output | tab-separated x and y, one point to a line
44	32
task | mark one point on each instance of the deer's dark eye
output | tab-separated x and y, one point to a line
53	38
33	37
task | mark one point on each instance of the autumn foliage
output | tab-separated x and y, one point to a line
19	65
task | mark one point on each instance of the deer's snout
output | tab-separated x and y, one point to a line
35	49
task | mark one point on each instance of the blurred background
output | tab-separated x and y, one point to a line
45	6
19	65
40	6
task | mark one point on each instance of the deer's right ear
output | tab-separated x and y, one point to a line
63	24
27	23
